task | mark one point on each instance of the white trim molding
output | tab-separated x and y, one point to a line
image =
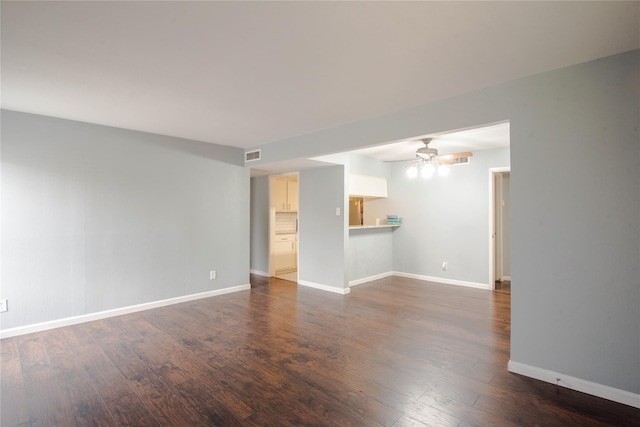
577	384
341	291
259	273
68	321
370	278
443	280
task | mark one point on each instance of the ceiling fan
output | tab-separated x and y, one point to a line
429	161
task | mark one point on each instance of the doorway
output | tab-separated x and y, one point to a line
283	227
500	226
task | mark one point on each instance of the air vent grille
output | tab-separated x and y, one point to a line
252	156
460	160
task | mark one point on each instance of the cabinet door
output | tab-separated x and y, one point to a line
285	255
292	196
279	194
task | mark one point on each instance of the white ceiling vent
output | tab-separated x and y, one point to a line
252	156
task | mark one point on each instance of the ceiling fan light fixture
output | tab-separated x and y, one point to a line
443	170
429	163
427	170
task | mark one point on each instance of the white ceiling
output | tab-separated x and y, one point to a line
247	73
476	139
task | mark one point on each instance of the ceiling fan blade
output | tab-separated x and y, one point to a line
457	155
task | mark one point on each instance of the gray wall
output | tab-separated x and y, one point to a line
445	218
260	224
575	207
321	234
96	218
369	252
365	165
575	211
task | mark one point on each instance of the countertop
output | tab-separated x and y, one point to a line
363	227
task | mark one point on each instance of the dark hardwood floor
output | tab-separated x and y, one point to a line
395	352
504	285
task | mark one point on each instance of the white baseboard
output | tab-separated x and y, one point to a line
260	273
341	291
505	278
443	280
370	278
68	321
567	381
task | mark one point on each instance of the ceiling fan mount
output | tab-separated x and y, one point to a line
426	152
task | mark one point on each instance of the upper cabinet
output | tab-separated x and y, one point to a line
285	195
292	195
367	186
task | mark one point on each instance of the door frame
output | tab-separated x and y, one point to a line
494	173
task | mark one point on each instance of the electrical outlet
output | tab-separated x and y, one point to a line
212	275
444	265
3	305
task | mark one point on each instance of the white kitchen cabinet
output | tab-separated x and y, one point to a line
279	194
285	252
285	196
367	186
292	196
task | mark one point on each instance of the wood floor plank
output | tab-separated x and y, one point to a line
211	410
88	407
513	411
13	407
10	365
157	397
197	367
128	410
266	381
407	421
105	376
395	352
48	402
34	359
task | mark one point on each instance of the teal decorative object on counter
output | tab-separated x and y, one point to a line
394	220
